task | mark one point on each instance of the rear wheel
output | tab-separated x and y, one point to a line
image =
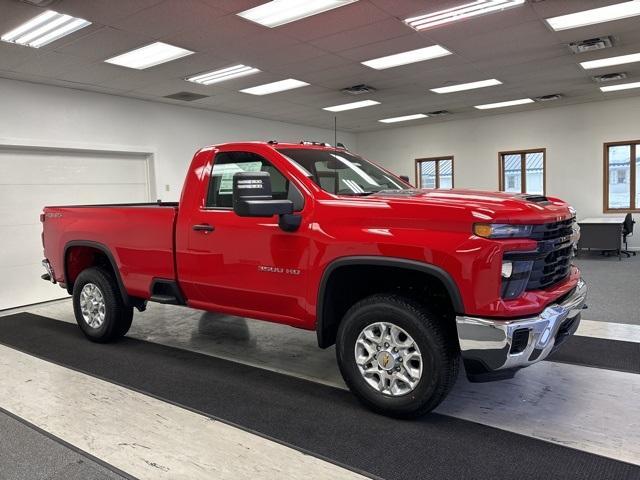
98	306
396	356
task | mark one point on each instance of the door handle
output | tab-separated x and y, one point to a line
204	227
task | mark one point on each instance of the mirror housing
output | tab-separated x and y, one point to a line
252	196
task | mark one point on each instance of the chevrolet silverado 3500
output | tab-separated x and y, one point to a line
403	281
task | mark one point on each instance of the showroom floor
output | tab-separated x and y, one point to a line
618	287
145	406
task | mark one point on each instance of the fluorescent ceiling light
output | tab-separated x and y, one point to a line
403	119
461	12
278	12
404	58
351	106
595	15
623	86
611	61
216	76
44	29
467	86
149	56
510	103
275	87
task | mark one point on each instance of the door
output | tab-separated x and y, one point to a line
245	266
32	178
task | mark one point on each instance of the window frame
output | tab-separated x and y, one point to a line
210	179
437	161
633	208
523	168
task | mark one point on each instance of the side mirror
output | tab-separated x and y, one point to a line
252	196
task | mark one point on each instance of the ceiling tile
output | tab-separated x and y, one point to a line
217	34
49	64
103	12
357	37
170	17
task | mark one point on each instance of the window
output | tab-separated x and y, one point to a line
434	172
621	181
523	171
340	172
226	164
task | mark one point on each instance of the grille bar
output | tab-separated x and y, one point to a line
552	258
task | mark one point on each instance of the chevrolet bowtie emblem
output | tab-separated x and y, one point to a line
385	360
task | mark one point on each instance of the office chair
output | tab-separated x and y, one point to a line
627	231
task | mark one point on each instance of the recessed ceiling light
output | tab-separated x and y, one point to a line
351	106
510	103
624	86
461	12
403	119
278	12
44	29
281	86
215	76
149	56
595	15
404	58
467	86
611	61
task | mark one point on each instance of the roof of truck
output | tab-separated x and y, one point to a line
276	144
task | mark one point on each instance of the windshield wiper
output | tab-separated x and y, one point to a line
358	194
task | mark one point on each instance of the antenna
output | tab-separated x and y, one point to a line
335	134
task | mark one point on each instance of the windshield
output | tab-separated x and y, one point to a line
342	173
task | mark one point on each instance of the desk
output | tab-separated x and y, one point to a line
601	233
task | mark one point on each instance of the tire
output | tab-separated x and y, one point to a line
436	342
117	316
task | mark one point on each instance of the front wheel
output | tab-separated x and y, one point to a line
98	306
397	357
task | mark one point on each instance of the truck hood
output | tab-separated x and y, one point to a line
485	205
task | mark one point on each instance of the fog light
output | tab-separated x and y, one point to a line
507	269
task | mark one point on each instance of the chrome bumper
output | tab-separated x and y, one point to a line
488	345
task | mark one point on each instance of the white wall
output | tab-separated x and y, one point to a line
573	136
39	115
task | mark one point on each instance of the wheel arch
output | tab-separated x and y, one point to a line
104	250
326	319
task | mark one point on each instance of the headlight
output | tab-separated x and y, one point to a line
501	230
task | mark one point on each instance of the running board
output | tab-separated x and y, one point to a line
166	291
166	299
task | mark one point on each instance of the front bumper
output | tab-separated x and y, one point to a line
494	349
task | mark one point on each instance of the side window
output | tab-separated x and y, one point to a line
227	164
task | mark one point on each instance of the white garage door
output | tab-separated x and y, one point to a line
33	178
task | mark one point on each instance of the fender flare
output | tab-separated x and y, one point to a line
433	270
104	249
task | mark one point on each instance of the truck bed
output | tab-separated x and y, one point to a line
139	237
147	204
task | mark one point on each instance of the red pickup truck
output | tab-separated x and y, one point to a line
403	281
